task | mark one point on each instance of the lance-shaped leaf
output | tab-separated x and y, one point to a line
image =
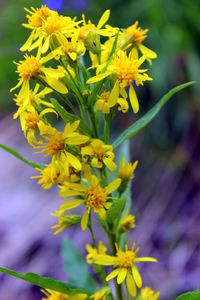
190	296
45	282
149	116
17	155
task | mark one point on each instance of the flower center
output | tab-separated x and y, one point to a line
55	144
29	68
136	36
105	95
125	259
125	69
52	25
96	197
32	121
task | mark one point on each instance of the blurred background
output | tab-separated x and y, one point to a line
166	188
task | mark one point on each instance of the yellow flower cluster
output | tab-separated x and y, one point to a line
53	79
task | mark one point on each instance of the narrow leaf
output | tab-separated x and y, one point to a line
76	267
45	282
17	155
116	210
149	116
190	296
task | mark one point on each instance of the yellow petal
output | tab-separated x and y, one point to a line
28	42
113	186
131	285
74	161
45	46
122	275
84	220
86	151
136	276
104	19
77	139
133	99
98	77
105	260
145	259
57	85
113	274
71	204
114	95
148	52
109	164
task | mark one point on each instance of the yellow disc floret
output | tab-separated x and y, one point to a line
96	197
55	144
29	68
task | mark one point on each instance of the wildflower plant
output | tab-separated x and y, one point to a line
88	170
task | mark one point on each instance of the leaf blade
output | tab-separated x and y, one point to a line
190	296
149	116
20	157
44	282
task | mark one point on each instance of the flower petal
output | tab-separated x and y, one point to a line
136	276
133	99
104	18
84	220
114	95
113	186
122	275
131	285
113	274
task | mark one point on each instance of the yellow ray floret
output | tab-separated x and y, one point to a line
101	154
95	197
125	267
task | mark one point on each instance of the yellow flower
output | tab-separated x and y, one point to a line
147	293
53	29
134	36
127	70
64	221
35	17
52	295
92	252
29	123
54	173
103	105
32	68
93	197
35	97
126	170
102	154
125	267
101	294
88	33
58	144
128	221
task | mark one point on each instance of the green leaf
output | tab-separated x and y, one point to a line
190	296
116	210
45	282
76	267
67	117
149	116
17	155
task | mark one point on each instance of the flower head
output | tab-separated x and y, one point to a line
147	293
101	294
125	267
126	69
101	154
126	170
94	197
64	221
128	222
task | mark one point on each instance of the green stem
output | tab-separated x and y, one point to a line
91	231
106	130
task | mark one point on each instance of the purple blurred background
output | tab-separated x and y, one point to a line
166	188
